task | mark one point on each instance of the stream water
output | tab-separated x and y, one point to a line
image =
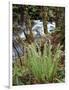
38	31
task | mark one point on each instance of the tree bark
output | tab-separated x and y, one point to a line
45	18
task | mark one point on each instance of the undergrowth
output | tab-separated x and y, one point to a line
44	66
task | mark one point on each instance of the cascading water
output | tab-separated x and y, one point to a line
38	31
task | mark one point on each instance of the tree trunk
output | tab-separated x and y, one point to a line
45	18
29	37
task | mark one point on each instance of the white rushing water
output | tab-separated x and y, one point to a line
51	26
37	29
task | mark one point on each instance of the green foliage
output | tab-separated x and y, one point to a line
44	67
18	72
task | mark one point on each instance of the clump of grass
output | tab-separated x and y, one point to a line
44	67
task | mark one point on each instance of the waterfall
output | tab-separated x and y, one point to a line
38	31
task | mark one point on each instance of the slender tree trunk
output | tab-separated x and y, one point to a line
45	18
29	37
25	18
